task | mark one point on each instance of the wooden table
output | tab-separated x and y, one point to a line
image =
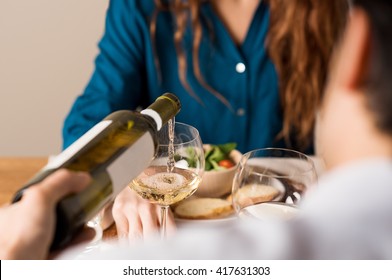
16	171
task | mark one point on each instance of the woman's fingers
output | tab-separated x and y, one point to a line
135	230
137	218
126	215
118	211
149	219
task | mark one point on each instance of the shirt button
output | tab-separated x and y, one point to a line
240	112
240	67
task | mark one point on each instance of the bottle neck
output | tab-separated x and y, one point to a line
163	109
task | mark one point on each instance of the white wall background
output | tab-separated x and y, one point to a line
47	51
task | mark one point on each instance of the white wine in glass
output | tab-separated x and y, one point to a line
176	171
166	188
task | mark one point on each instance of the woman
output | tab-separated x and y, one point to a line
249	72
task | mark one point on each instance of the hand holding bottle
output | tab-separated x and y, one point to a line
28	226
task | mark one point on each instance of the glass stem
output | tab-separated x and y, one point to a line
164	211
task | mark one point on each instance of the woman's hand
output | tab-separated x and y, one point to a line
27	227
137	218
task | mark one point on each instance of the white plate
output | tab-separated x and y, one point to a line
269	211
205	222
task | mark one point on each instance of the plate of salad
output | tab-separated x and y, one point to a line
220	165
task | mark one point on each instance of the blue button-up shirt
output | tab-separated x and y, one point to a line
126	76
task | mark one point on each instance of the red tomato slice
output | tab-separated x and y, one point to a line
227	163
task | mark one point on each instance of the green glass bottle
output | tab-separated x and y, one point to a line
114	152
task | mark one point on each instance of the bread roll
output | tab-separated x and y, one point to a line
203	208
253	194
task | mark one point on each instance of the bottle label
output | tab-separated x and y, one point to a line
131	163
63	157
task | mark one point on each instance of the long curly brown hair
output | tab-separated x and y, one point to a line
300	41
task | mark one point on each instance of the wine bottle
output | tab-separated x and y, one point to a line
114	151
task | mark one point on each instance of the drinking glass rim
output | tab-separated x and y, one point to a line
308	159
196	136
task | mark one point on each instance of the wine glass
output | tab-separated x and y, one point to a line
175	172
270	182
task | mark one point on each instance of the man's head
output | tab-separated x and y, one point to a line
355	121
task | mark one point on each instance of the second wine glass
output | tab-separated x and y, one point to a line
175	172
271	182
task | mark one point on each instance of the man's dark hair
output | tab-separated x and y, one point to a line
378	84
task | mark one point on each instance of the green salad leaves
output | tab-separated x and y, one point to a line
217	156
